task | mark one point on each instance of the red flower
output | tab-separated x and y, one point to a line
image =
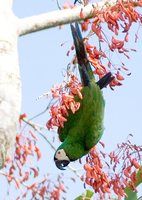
65	96
102	180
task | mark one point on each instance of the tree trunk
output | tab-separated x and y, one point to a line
10	84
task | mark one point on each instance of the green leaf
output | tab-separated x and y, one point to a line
86	196
131	194
79	197
89	193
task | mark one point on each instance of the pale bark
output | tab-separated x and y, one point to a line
55	18
60	17
10	84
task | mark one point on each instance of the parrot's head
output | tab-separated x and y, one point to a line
61	159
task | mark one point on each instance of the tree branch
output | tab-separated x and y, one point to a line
56	18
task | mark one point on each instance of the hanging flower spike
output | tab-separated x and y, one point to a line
65	101
114	179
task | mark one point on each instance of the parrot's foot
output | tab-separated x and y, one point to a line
105	80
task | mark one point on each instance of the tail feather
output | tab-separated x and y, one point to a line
105	80
85	70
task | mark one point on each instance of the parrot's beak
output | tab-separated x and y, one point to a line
61	164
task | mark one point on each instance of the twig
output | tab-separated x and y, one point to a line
41	113
58	4
35	127
74	171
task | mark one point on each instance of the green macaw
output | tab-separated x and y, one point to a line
83	129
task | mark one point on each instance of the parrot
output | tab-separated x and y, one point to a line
84	128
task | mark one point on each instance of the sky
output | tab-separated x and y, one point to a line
42	63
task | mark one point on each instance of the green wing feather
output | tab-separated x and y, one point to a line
84	128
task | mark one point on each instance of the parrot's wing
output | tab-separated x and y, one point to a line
72	121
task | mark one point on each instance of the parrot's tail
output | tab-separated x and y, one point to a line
85	70
105	80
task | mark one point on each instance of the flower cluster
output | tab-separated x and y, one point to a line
22	172
95	58
65	97
25	148
119	19
55	194
114	179
95	176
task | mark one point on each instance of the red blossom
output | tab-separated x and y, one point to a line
21	117
82	14
36	173
119	19
55	194
84	25
104	181
66	101
38	152
119	76
42	191
95	176
26	177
